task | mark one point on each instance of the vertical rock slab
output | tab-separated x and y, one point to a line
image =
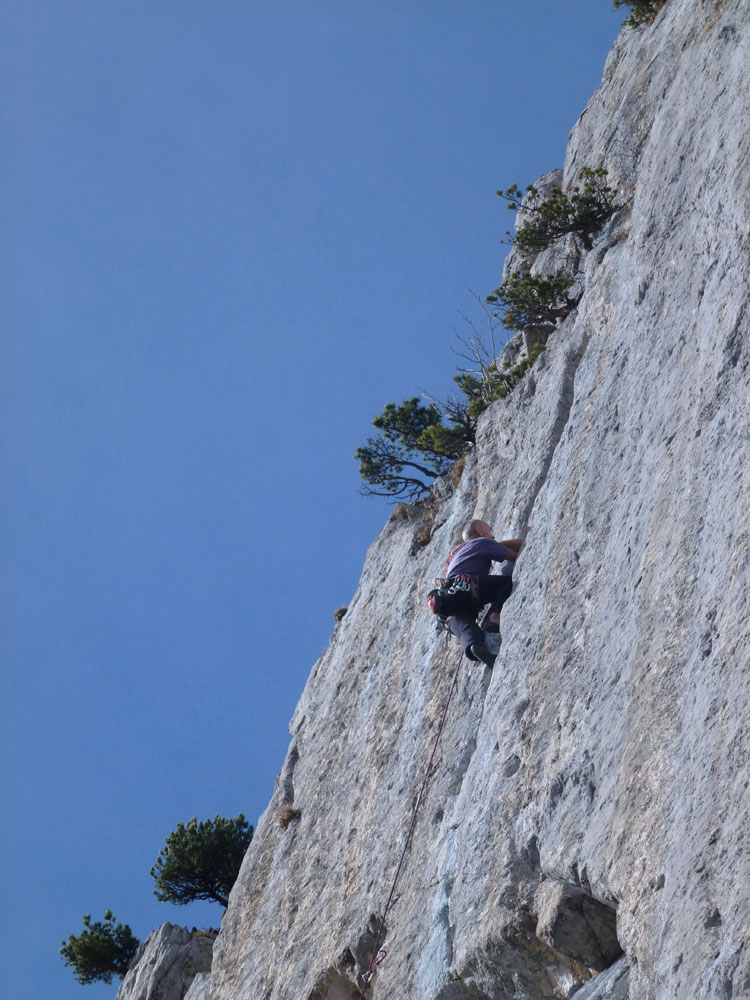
610	985
626	641
166	963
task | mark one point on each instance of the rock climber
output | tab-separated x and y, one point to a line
473	557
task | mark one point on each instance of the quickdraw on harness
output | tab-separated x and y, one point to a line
453	596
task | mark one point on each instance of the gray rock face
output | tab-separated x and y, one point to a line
166	964
610	985
593	794
199	986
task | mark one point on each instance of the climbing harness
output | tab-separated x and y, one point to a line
454	596
378	953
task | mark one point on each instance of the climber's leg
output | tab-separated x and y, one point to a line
493	590
468	633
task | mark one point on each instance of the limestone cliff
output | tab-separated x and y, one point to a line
587	831
166	964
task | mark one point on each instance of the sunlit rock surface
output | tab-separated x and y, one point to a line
587	830
166	963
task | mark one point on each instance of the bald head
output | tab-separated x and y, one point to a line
476	529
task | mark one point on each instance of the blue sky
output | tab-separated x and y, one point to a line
231	232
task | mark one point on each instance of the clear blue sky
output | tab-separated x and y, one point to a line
230	233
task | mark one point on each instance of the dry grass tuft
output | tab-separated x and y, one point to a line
287	814
457	470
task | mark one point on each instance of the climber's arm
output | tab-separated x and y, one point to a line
513	545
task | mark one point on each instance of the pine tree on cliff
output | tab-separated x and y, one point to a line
413	448
201	860
102	950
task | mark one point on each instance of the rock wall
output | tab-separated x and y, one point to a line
586	831
166	964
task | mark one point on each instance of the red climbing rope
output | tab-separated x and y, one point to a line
378	954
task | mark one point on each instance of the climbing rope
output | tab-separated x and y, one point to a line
378	954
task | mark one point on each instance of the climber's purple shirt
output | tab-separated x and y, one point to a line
476	556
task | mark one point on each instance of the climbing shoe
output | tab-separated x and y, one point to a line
480	652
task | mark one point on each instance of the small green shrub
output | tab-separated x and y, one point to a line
493	383
102	950
533	301
641	11
582	209
517	373
480	388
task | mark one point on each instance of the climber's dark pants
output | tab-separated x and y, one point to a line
494	590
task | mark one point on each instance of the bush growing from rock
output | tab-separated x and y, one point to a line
533	301
287	815
493	383
415	445
421	537
201	860
582	209
641	11
419	442
102	950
